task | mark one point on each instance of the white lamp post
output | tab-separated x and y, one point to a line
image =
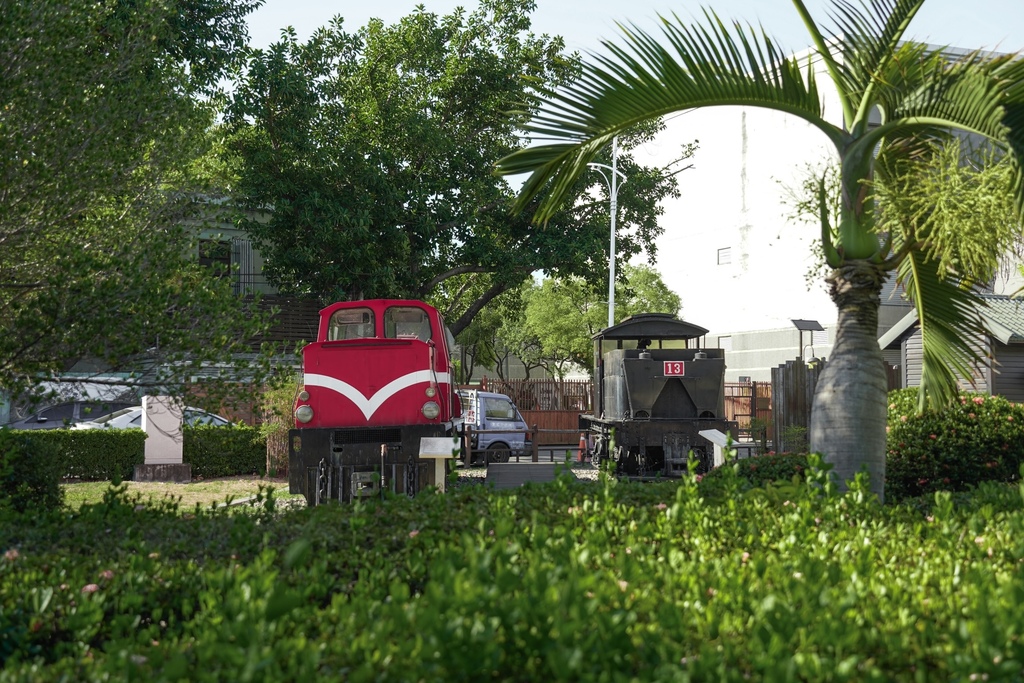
611	180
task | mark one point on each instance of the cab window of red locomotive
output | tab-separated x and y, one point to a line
406	322
351	323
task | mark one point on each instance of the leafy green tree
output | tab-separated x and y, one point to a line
481	342
371	154
561	315
921	95
99	130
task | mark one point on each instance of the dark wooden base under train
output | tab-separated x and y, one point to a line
653	448
351	464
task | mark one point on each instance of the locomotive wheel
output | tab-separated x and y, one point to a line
497	452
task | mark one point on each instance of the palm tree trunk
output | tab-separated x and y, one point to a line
849	409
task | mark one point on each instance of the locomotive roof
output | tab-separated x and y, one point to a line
652	326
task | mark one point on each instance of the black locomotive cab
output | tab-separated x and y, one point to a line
656	388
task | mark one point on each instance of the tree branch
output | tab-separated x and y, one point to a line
462	323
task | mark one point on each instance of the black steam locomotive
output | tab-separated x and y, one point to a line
654	395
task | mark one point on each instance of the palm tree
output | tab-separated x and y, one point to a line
921	95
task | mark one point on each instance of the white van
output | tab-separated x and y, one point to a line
486	414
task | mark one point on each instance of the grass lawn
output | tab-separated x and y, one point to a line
204	492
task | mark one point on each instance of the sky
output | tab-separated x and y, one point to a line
991	24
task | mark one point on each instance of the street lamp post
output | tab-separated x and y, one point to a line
611	179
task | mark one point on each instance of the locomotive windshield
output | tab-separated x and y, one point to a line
406	322
351	323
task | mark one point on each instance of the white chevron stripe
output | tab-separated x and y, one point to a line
370	406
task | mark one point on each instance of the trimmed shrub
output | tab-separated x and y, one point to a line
29	473
93	454
112	454
979	438
762	469
225	451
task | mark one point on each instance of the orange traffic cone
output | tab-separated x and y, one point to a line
583	455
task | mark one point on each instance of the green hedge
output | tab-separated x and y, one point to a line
763	469
112	454
225	451
92	454
567	581
29	473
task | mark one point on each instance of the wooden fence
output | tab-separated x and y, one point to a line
545	394
793	385
749	405
555	426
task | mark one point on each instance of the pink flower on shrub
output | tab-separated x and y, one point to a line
11	555
971	415
932	437
661	506
106	575
1009	418
90	588
414	533
979	399
903	418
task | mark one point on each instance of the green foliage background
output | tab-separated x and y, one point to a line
566	581
103	114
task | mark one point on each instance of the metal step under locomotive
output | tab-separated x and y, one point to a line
654	395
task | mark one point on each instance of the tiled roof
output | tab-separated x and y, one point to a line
1003	317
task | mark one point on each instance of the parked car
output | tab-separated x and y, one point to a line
131	418
485	414
68	414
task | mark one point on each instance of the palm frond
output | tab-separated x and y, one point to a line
867	38
702	65
948	314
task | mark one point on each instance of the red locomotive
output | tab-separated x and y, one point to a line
376	381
